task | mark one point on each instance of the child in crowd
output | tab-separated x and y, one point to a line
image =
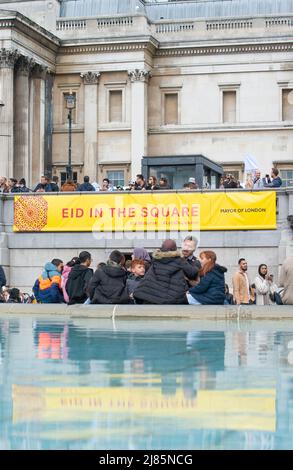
137	273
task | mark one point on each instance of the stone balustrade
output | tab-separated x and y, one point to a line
279	22
174	27
71	25
195	29
115	22
228	24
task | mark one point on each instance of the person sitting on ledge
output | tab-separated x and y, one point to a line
136	276
108	284
79	278
211	288
47	288
165	282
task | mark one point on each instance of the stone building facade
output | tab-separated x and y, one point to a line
153	79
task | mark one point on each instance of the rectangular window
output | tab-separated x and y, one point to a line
63	177
171	108
115	106
287	177
229	106
66	110
116	177
287	104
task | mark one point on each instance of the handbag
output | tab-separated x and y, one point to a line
276	297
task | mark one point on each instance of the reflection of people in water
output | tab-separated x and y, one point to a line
51	341
190	383
208	348
249	349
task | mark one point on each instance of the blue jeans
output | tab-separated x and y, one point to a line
191	300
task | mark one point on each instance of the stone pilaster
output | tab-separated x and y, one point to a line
22	144
91	80
39	74
7	60
139	81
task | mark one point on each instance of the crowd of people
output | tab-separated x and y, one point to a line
253	181
48	184
167	276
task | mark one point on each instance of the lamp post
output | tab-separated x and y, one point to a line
70	105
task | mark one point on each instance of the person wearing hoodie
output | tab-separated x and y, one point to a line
47	288
108	284
65	274
86	185
165	282
211	288
79	279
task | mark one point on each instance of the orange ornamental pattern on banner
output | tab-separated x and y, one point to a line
143	211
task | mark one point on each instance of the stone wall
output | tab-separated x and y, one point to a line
23	254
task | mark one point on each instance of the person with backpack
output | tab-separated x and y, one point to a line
79	278
65	275
47	288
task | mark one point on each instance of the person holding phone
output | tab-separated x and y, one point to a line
264	286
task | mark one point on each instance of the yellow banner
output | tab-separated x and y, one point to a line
144	211
211	409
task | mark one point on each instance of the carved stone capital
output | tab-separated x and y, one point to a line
24	65
40	71
139	75
90	78
8	57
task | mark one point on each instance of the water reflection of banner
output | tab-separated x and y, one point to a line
220	409
144	211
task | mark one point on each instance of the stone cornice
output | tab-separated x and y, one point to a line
148	44
247	48
179	129
172	49
17	21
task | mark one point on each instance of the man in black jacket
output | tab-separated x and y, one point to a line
108	284
165	282
79	278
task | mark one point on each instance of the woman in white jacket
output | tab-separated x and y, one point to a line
264	286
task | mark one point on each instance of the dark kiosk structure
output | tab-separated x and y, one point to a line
178	170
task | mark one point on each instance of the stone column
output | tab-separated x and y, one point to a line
22	144
139	82
91	81
7	61
38	123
